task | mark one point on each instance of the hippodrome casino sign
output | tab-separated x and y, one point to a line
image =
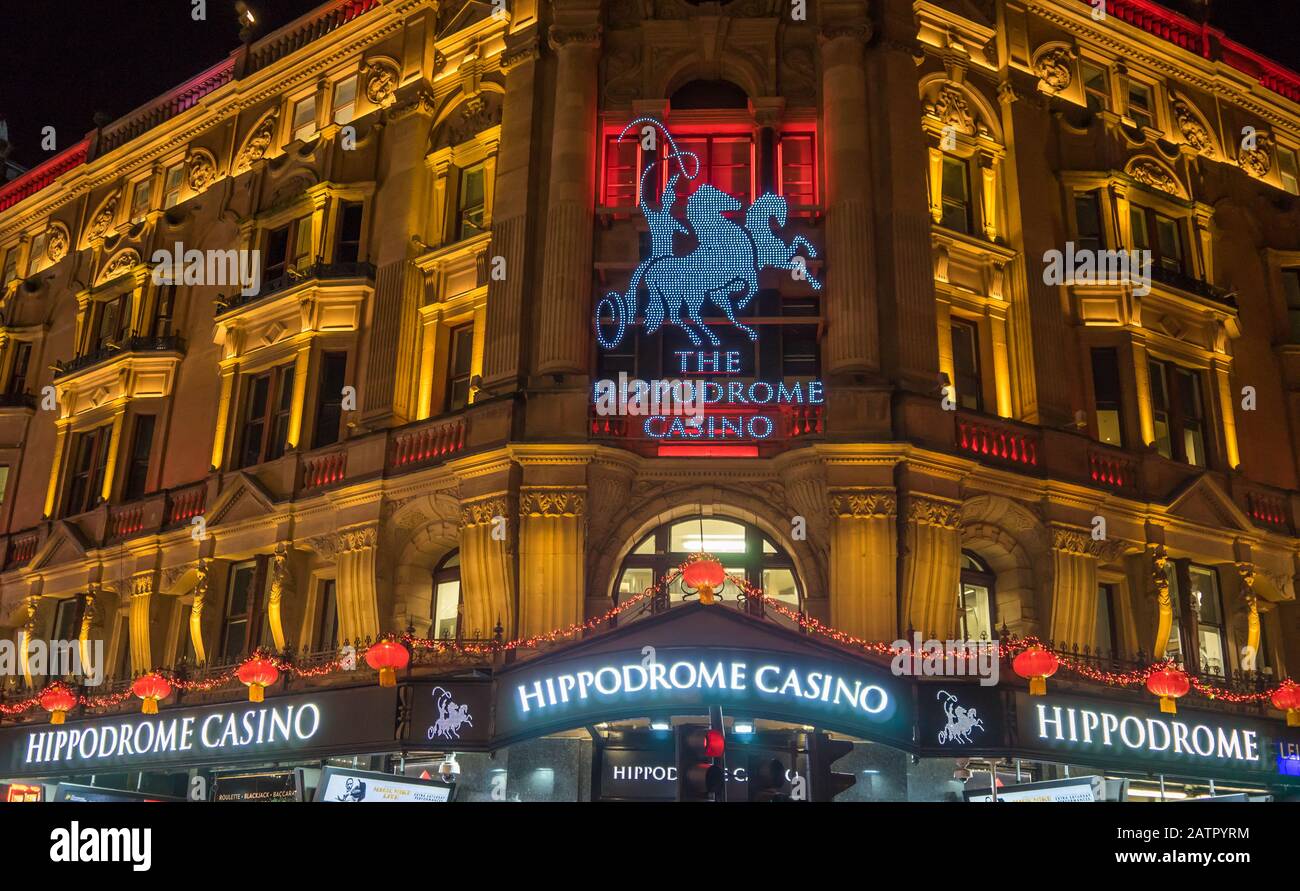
706	399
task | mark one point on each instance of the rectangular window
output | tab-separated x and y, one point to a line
173	180
798	160
622	171
10	268
137	471
472	201
304	118
37	254
1210	631
348	247
240	603
956	196
1167	245
1139	104
1107	395
966	365
345	100
329	400
1286	168
1178	410
86	472
162	317
113	318
726	163
1087	218
327	617
18	373
1291	289
1095	90
459	365
267	404
302	247
140	199
1105	635
67	619
4	481
1174	647
799	353
275	256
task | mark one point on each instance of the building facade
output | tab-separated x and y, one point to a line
912	423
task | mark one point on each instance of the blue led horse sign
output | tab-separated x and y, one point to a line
723	268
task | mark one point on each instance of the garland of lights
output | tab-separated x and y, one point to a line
1007	648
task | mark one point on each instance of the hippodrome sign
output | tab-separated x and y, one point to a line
722	270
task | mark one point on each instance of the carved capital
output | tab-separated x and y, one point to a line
482	511
517	54
862	503
933	512
552	501
358	538
560	38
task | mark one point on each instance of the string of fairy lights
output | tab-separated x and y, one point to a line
68	696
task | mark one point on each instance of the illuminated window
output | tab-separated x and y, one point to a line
622	170
460	366
966	365
472	201
1140	105
744	551
4	481
345	100
446	598
1291	289
975	613
304	118
1107	395
1178	411
1286	168
86	472
327	617
140	199
726	163
798	164
240	604
955	188
173	179
10	267
268	402
110	323
1210	632
1096	91
40	244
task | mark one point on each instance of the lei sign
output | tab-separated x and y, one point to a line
711	401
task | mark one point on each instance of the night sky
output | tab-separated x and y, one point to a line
64	60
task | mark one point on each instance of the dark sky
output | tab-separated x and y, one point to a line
64	60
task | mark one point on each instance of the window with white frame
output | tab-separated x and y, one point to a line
304	118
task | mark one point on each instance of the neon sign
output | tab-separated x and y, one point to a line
668	288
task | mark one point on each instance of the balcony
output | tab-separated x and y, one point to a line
21	547
133	345
1004	442
1192	285
17	400
317	272
426	443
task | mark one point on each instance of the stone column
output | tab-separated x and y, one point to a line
1221	374
852	342
1074	587
931	566
563	324
487	573
142	588
356	588
863	571
552	550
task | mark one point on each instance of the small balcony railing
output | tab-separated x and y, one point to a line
427	442
22	548
1182	281
172	343
17	400
1113	468
315	272
1002	441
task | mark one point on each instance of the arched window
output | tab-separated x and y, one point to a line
446	598
975	613
745	552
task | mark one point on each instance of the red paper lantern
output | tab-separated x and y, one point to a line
150	688
257	674
1169	682
1036	664
387	657
705	575
58	699
1286	698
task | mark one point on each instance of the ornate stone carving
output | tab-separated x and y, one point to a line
548	502
930	512
1149	173
561	37
861	503
120	265
1195	134
1257	161
202	171
514	55
56	245
952	110
281	575
102	220
381	82
358	537
482	511
1055	68
475	115
325	545
258	142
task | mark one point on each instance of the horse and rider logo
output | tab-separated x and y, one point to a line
961	721
723	268
451	717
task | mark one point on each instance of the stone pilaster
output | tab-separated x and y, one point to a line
566	281
863	576
142	589
281	583
356	586
931	566
487	574
202	570
552	548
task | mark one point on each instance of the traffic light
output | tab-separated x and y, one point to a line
765	779
699	769
822	753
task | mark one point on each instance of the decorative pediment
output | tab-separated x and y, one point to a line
1152	172
245	499
122	262
1203	502
65	544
